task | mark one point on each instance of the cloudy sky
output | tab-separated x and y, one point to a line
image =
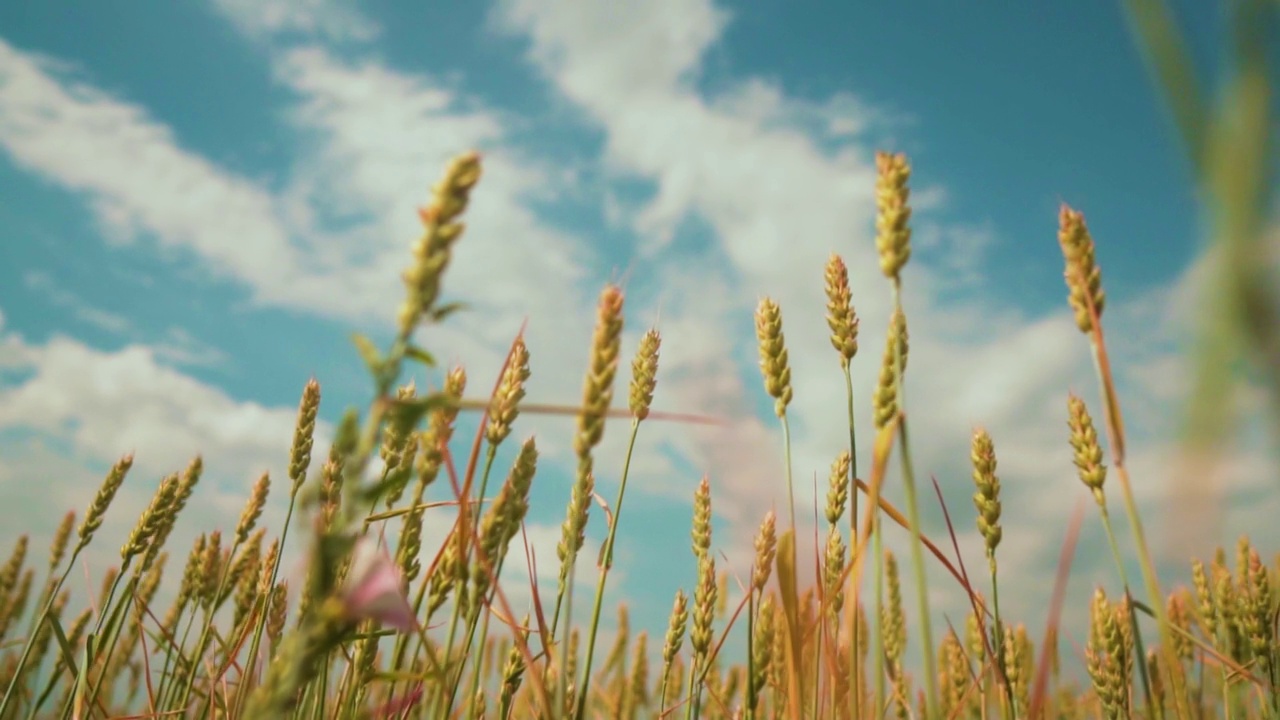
199	202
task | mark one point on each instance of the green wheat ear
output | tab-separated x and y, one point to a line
773	355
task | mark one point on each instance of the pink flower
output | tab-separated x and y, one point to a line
374	588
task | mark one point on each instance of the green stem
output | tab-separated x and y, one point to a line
877	640
691	708
38	622
113	626
606	564
447	695
562	681
786	444
473	615
484	634
855	671
817	659
1141	659
1115	431
167	681
203	640
751	655
662	692
256	642
913	515
1009	707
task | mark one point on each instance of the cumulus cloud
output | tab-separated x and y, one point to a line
370	142
777	202
135	174
773	182
335	20
378	137
77	410
61	297
73	411
373	161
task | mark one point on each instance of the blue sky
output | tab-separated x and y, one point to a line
200	201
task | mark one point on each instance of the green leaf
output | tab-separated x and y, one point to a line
413	352
310	495
348	435
388	483
785	562
68	653
82	675
439	314
331	550
1169	61
368	352
407	412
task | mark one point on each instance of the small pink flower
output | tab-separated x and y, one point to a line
374	588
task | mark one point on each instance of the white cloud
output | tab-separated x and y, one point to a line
377	137
372	141
777	205
663	40
380	140
107	403
962	252
336	20
71	411
64	298
745	163
179	347
176	346
753	163
140	182
135	173
80	409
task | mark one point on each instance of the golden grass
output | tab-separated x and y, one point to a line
413	631
807	656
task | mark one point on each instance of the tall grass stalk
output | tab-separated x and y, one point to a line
224	649
855	588
1230	150
913	515
606	563
93	519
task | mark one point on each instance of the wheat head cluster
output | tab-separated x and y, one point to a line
381	626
